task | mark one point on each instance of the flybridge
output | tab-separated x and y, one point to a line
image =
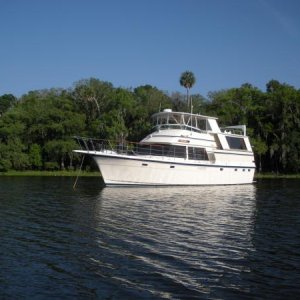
181	120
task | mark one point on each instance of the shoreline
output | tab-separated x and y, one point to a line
276	176
97	173
50	173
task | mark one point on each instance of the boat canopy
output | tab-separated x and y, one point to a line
181	120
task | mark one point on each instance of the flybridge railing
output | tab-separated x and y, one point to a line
130	148
180	127
91	144
237	130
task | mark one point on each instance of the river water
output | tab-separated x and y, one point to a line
227	242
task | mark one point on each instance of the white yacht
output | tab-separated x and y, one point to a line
183	149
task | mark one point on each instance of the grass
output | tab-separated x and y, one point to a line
50	173
276	176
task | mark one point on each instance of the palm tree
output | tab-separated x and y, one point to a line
187	79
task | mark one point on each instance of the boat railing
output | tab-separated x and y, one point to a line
237	130
129	148
89	144
179	127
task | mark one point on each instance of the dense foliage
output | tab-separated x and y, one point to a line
36	130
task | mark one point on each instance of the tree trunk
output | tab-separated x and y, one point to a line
62	164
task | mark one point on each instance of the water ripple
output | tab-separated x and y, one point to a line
228	242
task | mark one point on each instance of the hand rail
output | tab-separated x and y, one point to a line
130	148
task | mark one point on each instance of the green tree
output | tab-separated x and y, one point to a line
6	102
116	121
222	106
12	148
151	99
179	102
92	96
16	157
5	163
282	112
58	151
259	148
113	126
35	156
39	118
187	80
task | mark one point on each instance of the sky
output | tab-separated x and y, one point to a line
225	43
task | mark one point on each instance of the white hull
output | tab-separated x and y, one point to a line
120	170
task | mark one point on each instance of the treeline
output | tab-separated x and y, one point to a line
36	131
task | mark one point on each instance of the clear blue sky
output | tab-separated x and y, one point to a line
225	43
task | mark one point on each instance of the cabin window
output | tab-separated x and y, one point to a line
197	153
174	151
236	143
161	150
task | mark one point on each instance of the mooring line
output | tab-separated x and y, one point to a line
78	172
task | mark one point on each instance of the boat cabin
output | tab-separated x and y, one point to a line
227	138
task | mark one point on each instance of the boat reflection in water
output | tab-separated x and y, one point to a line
186	240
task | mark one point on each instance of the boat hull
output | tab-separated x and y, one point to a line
119	170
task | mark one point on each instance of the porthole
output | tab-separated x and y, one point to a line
221	169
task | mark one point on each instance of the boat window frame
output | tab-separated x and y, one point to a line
236	142
197	153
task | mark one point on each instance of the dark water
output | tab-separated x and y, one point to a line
239	242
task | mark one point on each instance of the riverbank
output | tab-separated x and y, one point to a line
276	176
51	173
93	174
